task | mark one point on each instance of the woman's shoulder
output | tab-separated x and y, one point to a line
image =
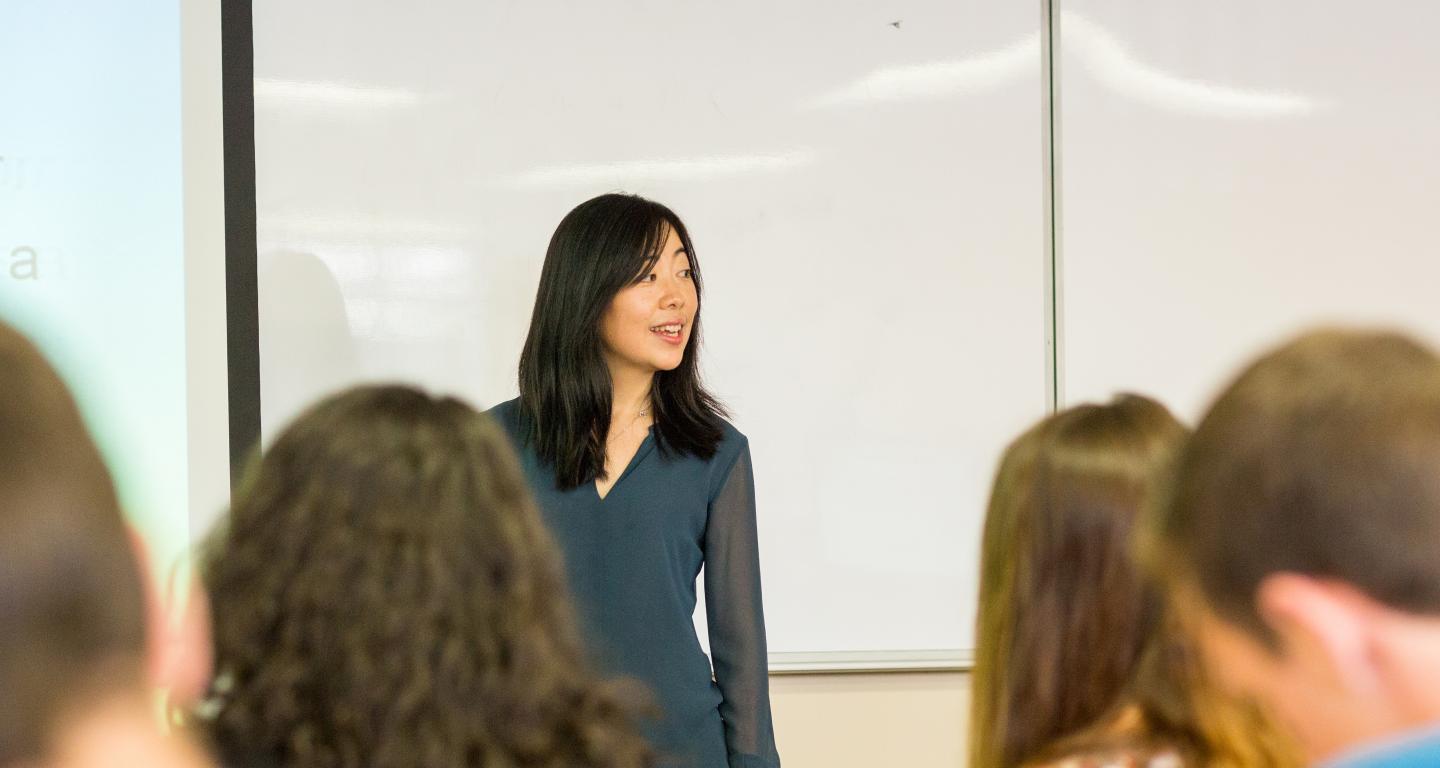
507	414
507	408
733	443
729	435
732	448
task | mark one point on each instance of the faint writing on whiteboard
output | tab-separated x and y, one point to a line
29	264
10	177
24	264
18	172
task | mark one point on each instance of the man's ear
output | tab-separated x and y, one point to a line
1322	625
178	654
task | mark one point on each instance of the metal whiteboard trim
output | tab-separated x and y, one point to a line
841	662
1054	289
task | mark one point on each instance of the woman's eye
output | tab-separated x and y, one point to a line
685	273
650	278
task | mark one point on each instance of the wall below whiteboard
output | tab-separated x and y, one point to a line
916	720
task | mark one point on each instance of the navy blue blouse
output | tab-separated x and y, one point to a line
632	560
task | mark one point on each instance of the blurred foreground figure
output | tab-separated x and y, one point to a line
78	654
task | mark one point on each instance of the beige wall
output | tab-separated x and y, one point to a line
907	720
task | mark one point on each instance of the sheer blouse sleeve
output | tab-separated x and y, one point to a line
737	619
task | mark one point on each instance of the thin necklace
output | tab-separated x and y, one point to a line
631	425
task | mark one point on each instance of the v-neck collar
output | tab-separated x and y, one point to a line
646	446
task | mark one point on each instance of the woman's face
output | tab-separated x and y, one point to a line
647	325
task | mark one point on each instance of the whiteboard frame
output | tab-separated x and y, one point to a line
242	297
846	662
1054	289
207	322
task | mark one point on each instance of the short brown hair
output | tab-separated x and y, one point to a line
1322	458
72	613
386	594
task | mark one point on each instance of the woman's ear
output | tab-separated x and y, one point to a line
188	656
178	653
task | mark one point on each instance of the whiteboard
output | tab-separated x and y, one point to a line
864	186
1235	171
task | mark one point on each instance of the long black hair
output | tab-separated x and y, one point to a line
600	247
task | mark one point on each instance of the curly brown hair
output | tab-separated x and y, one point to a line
386	595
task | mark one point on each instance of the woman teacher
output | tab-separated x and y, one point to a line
643	481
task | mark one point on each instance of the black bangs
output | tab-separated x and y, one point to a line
651	248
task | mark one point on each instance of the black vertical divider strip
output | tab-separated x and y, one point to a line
241	297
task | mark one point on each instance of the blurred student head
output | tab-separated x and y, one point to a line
76	650
385	594
1078	655
1305	527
